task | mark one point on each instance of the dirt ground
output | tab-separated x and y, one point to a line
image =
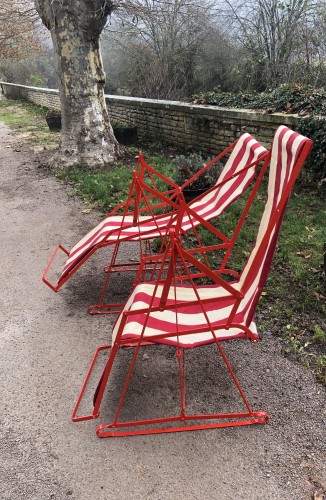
47	341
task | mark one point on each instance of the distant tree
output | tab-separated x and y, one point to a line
219	65
311	64
36	69
270	32
159	44
18	21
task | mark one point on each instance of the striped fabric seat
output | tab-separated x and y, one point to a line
286	150
121	228
182	319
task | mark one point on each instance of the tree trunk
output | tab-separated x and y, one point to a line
87	138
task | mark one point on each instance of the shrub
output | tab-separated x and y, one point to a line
187	166
314	127
309	103
289	98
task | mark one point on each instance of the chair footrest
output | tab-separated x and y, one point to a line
229	420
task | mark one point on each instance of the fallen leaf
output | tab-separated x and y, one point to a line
86	211
304	255
319	296
320	494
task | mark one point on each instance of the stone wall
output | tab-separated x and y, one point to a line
205	128
42	97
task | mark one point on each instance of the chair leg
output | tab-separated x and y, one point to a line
235	380
101	307
182	378
182	421
101	386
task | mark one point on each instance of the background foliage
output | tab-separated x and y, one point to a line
175	48
307	101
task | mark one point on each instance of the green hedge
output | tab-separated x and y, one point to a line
295	98
314	127
309	103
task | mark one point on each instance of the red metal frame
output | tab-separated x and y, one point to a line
234	419
112	308
248	417
137	189
141	193
174	254
44	276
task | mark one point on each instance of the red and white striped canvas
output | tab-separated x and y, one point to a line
188	324
184	319
284	168
121	228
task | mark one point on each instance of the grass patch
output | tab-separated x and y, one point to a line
320	368
29	120
108	188
319	335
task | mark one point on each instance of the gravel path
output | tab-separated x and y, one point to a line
46	342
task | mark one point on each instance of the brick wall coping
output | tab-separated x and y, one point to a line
39	89
201	109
